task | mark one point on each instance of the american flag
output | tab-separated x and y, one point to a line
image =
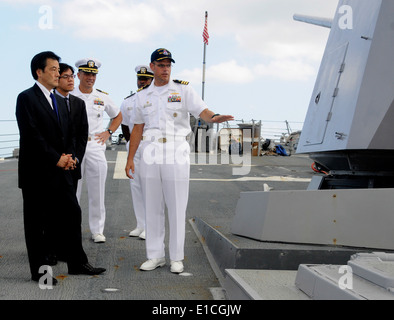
205	34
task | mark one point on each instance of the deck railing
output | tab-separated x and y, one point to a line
274	130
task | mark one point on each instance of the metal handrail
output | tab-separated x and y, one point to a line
280	129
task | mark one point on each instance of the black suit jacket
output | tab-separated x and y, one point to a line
50	205
80	126
42	140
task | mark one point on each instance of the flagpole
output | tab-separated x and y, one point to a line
205	40
205	50
203	71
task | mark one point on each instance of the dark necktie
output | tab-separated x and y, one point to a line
54	104
67	100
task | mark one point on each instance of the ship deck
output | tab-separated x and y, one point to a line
214	257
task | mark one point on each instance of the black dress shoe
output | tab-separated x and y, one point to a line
61	258
38	277
85	269
50	260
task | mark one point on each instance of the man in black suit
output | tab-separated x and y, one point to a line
46	159
77	110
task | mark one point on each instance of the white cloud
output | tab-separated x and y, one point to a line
289	70
128	21
225	72
283	41
25	27
26	2
229	71
194	76
251	41
263	28
232	72
256	24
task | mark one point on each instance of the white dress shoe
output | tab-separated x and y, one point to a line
142	235
98	238
136	232
176	266
152	264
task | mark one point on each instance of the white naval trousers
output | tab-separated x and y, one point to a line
94	172
165	172
136	193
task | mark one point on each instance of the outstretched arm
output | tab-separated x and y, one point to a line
209	116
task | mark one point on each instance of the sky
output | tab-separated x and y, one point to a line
260	63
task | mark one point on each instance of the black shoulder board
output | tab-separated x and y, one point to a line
144	87
101	91
182	82
130	96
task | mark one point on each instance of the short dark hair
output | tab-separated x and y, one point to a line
39	62
64	67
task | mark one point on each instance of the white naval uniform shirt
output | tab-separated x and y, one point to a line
94	163
96	104
126	108
165	110
165	167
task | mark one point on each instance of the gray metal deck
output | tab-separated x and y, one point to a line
210	247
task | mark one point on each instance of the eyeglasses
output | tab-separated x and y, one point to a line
162	66
68	76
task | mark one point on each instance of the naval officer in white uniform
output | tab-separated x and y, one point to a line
161	121
94	164
144	78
